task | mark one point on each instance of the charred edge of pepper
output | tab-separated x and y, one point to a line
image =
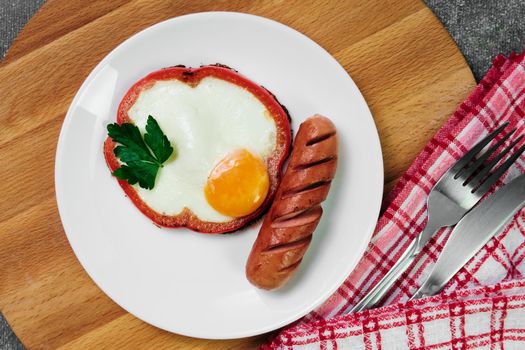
287	115
221	66
176	66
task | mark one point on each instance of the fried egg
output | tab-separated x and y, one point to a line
222	136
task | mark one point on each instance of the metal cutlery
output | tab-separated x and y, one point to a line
456	192
473	232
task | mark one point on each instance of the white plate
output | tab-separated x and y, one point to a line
192	283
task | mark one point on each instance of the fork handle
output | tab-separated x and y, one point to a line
376	294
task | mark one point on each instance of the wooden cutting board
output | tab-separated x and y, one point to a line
407	67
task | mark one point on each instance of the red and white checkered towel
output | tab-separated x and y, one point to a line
483	306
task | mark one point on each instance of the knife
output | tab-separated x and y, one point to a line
472	232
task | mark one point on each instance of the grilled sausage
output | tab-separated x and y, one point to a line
287	229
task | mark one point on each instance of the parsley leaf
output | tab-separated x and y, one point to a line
142	157
141	172
129	136
157	141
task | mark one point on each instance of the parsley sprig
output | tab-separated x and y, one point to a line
142	157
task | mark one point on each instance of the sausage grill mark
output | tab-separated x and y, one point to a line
312	164
303	189
289	245
288	216
320	138
305	217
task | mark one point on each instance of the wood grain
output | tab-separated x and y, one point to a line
409	70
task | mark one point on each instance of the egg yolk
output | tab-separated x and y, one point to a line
238	184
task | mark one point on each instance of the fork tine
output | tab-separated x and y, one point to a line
484	188
476	180
472	168
463	161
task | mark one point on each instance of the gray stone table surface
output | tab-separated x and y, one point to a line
481	28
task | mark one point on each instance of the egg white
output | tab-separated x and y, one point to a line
203	123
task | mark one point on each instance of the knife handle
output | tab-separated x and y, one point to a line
376	294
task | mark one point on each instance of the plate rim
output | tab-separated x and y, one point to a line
378	159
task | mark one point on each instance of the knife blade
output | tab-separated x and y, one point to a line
473	232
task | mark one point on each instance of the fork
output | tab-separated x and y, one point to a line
456	192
